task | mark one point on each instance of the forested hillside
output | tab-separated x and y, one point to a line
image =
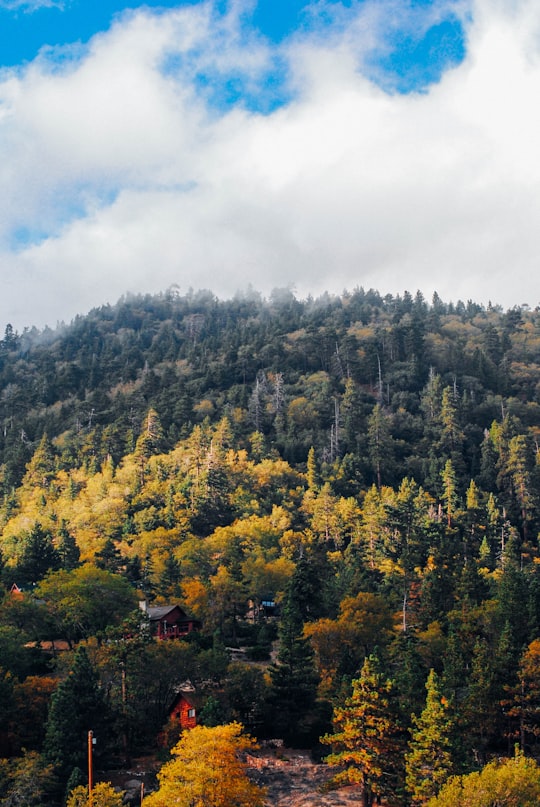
369	464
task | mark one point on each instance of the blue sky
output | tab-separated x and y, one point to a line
412	59
325	145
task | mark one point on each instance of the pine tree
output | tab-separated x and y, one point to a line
380	443
368	740
429	761
294	680
77	706
449	491
38	557
67	548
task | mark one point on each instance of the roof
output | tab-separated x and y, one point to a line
161	611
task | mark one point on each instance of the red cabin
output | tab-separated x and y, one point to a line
184	709
169	621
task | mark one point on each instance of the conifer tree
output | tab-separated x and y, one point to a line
294	679
38	557
368	740
77	706
380	443
429	760
67	548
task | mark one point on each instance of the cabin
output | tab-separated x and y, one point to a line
184	709
169	621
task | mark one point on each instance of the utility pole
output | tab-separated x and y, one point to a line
91	742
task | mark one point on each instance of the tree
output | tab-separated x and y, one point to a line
449	491
368	739
77	706
207	771
87	601
521	466
38	556
67	548
245	692
524	699
294	680
481	706
26	781
429	760
380	443
512	783
109	557
103	795
40	470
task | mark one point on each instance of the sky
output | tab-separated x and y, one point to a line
234	144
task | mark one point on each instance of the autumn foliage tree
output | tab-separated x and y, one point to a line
368	740
207	771
512	783
103	795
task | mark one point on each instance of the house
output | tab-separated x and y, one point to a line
184	709
168	621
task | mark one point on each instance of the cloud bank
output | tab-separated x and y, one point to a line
182	148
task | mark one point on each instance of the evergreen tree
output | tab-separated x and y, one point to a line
68	551
77	706
38	556
368	740
380	443
109	557
294	681
429	760
41	468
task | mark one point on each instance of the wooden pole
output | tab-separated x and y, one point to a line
90	768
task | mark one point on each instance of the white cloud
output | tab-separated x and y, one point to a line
30	5
139	184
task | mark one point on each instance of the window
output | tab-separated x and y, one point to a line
191	713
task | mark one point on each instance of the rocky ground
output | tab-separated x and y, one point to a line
292	779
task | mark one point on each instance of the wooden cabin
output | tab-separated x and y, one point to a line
184	709
169	621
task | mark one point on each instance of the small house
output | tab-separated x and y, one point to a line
169	621
184	709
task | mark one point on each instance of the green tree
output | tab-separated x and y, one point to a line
380	443
67	548
87	601
41	468
429	760
245	692
368	740
294	680
38	556
77	706
449	491
109	557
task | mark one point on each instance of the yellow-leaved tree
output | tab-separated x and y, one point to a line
103	795
207	771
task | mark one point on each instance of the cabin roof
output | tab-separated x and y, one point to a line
161	611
